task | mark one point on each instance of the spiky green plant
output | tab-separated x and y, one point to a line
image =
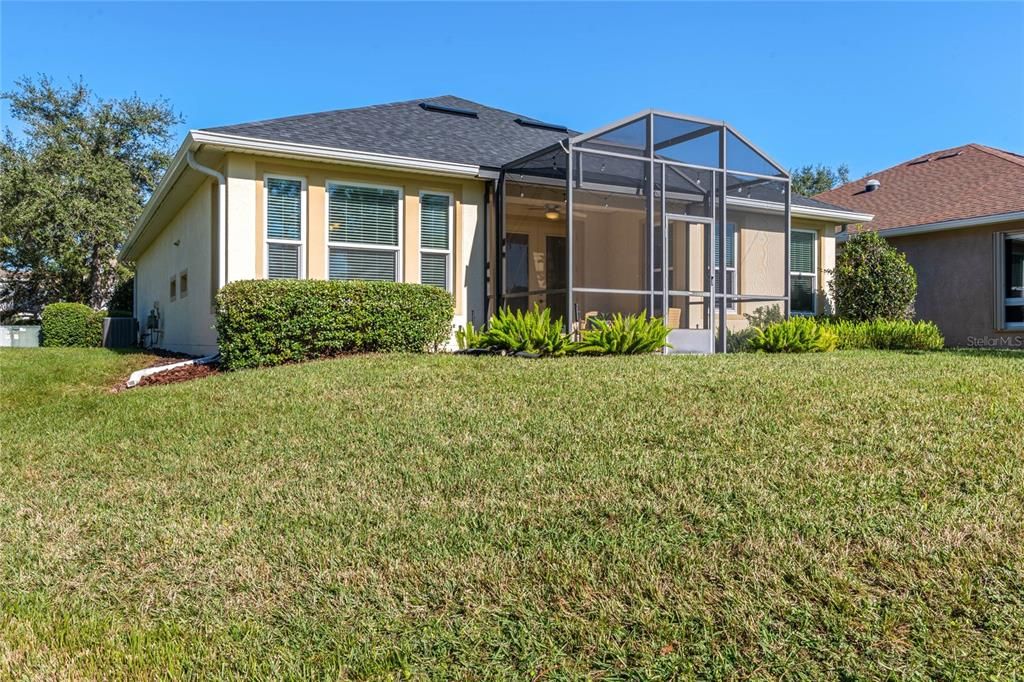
886	334
531	332
470	337
795	335
628	335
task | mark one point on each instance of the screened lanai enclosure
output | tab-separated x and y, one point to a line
630	218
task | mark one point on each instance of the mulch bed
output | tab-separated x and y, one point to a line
173	376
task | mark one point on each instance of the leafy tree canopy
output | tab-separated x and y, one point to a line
811	180
71	187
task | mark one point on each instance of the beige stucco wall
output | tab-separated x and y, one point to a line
185	245
956	285
761	245
246	227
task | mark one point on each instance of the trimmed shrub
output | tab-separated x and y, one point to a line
623	336
872	280
886	334
532	332
269	322
795	335
71	324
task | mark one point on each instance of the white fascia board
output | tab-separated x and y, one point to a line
957	224
197	138
842	217
315	152
178	163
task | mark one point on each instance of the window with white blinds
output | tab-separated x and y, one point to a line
364	227
803	272
285	211
436	240
730	278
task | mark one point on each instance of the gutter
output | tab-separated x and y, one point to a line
157	198
798	211
222	256
977	221
310	151
197	138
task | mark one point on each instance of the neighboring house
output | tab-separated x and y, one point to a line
451	193
958	215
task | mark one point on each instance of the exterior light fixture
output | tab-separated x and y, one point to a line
552	214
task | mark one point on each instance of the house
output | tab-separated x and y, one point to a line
958	215
498	208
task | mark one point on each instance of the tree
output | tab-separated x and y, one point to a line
811	180
872	280
72	186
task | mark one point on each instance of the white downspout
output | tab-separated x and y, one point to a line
222	256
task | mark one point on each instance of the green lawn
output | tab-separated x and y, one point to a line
856	515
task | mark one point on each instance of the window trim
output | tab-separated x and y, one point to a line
183	279
1002	300
399	250
799	273
450	251
303	227
173	291
730	306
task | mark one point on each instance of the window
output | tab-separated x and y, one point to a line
364	229
436	240
803	272
730	279
174	288
285	209
1011	280
183	284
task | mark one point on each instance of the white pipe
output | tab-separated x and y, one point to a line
138	375
222	256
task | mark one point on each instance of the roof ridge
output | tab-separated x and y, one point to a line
334	111
1003	154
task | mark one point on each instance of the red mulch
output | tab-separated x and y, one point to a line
173	376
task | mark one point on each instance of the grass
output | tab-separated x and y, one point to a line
856	515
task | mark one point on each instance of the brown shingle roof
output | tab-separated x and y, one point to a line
962	182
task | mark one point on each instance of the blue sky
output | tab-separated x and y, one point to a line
865	84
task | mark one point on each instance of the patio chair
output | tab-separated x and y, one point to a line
673	318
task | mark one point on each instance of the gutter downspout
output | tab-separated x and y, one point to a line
222	256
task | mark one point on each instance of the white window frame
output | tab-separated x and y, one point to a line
450	284
812	275
731	272
267	241
398	250
1002	300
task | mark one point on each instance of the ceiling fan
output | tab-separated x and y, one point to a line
553	211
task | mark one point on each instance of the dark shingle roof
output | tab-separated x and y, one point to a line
492	139
406	129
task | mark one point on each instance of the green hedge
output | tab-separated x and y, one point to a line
269	322
886	334
72	324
